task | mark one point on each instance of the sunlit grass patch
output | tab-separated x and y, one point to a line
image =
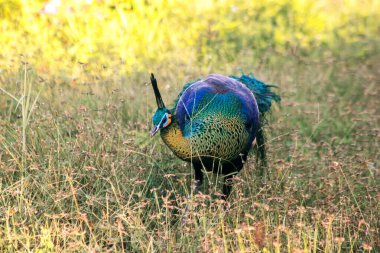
140	35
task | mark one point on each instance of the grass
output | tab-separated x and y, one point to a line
79	171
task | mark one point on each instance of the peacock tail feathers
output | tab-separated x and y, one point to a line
262	92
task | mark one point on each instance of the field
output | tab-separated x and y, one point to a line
79	171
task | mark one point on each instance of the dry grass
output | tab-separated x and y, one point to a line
79	171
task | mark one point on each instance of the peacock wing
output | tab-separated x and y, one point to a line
215	100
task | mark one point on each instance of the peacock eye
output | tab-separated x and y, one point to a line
166	120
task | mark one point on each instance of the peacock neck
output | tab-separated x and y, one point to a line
174	139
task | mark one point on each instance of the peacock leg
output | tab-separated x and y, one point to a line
261	156
198	176
227	186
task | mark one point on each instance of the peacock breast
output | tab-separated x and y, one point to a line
220	136
214	137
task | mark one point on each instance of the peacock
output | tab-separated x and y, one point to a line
215	122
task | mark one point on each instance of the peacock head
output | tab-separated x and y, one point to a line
163	117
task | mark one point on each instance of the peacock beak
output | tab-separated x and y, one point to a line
154	130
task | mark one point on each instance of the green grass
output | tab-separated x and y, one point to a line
79	172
